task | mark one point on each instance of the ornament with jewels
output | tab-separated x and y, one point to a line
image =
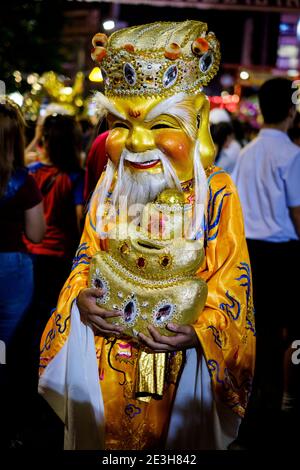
154	270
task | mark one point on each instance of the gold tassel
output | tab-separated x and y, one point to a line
150	375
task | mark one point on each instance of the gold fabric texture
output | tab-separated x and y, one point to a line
151	375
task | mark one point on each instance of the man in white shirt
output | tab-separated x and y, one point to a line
227	147
267	175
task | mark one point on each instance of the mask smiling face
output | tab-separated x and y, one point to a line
141	132
155	144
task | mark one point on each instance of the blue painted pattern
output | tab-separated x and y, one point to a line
229	384
132	410
246	278
59	328
216	335
214	210
81	257
233	309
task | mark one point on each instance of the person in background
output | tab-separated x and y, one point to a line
240	131
21	211
33	150
227	146
60	179
96	159
267	177
95	164
294	131
34	147
87	129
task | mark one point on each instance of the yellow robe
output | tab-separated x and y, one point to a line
225	328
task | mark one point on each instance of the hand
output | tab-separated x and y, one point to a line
185	338
95	316
39	128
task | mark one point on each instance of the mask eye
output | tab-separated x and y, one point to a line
161	126
123	125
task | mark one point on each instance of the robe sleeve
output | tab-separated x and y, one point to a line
58	326
225	327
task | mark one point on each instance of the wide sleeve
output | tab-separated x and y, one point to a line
225	328
58	327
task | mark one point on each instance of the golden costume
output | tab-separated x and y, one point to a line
153	74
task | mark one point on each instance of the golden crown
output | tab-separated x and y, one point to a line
160	58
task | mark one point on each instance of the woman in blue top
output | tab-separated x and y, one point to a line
21	212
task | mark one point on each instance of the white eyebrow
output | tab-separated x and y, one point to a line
178	106
165	107
102	102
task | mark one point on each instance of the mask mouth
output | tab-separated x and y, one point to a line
143	165
142	160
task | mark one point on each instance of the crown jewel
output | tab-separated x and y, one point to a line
157	59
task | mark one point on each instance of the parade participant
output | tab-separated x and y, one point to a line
187	390
267	177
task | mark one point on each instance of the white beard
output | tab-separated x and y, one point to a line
134	189
141	187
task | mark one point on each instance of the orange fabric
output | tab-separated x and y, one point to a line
131	423
225	327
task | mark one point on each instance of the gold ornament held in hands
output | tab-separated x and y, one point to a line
152	280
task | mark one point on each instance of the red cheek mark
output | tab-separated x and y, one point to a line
175	146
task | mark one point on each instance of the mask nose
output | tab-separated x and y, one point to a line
140	140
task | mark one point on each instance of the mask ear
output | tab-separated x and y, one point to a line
206	145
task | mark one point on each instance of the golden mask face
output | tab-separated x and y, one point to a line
137	134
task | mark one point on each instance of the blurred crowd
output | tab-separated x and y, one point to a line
47	177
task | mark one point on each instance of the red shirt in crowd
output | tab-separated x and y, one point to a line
62	192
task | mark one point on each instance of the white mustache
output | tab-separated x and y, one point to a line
142	157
